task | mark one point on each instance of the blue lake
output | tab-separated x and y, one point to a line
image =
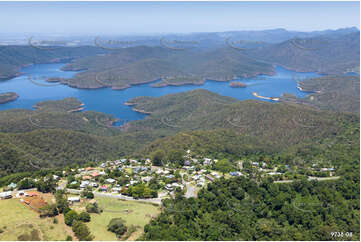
112	101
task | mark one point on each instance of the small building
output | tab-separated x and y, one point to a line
5	195
31	194
86	177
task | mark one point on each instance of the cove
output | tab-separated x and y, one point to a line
112	102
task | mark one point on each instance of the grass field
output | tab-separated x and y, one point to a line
134	213
16	219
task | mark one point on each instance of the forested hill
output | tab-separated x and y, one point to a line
199	119
338	93
320	54
130	66
12	58
277	124
240	209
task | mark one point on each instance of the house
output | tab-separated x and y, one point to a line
103	188
123	160
86	178
116	189
169	176
133	182
187	163
147	178
110	180
55	177
200	184
235	173
209	177
95	174
327	169
94	184
12	186
73	199
207	161
84	184
103	165
174	184
89	168
169	187
73	182
5	195
274	173
148	161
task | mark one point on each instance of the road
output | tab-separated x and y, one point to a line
312	178
119	196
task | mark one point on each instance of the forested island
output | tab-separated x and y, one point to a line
8	97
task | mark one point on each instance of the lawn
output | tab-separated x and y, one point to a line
134	213
17	219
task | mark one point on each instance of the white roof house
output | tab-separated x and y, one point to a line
5	195
73	199
110	180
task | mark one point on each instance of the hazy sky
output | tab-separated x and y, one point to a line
165	17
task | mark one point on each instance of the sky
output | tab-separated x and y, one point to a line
173	17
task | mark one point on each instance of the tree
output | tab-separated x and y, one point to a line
117	226
81	231
84	216
61	202
224	166
87	194
176	156
70	217
158	157
26	183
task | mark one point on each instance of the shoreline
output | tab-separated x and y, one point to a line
263	97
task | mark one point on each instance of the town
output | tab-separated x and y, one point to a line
114	187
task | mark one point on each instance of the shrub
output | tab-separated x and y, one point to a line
92	208
49	210
117	226
69	238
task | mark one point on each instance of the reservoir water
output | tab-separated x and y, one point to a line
112	101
